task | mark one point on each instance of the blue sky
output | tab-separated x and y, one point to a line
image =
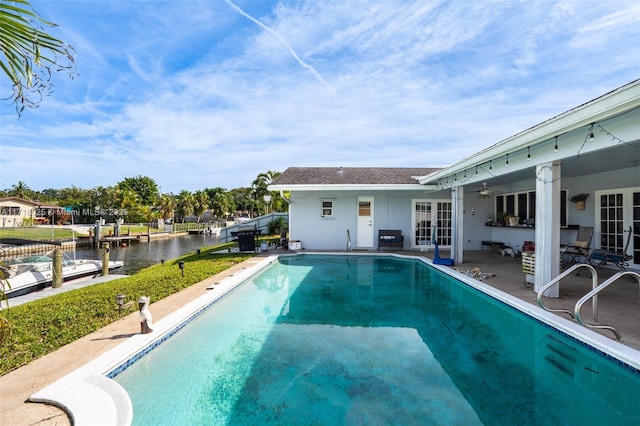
201	94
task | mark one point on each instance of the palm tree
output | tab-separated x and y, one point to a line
148	214
221	203
185	204
130	205
243	199
260	184
167	206
21	190
201	203
29	54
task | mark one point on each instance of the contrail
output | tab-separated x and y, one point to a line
293	53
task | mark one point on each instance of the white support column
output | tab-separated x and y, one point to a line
457	224
547	226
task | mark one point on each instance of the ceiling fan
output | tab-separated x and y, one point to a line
485	192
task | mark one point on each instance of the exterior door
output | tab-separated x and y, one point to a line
427	216
364	237
421	223
618	220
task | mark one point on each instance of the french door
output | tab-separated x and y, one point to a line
618	221
430	215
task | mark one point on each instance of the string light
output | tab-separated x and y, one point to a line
590	136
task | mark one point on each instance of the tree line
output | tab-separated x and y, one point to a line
138	199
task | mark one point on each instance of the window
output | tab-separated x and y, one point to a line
364	208
523	205
327	209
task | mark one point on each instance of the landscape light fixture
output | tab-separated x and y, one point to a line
120	301
181	266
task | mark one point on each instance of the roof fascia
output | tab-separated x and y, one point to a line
352	187
612	104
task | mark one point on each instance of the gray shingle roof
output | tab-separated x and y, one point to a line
351	175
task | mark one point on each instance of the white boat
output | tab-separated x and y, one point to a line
30	273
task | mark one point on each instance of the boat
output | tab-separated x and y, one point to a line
23	275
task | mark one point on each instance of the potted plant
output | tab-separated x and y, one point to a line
501	218
579	199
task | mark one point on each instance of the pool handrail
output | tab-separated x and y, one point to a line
594	293
556	280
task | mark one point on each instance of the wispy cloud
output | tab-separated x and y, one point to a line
282	40
217	92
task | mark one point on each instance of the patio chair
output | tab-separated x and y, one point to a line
599	257
580	247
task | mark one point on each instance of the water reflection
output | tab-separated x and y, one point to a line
139	255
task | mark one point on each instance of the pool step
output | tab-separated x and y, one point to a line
561	355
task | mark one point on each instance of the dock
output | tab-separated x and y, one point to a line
144	237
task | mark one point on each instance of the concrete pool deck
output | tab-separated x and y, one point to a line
17	386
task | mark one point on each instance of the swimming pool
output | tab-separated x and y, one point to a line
367	339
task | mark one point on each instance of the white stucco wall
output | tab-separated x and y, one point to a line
392	210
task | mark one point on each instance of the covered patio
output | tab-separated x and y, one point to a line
522	189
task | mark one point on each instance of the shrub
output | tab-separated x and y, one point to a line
277	225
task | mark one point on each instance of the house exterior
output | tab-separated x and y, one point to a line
530	177
16	211
331	207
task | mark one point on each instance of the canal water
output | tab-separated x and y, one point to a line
139	255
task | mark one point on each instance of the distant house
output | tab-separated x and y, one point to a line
516	191
15	211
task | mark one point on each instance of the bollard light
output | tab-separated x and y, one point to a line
162	261
120	301
198	251
181	266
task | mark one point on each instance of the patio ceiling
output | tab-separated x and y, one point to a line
622	157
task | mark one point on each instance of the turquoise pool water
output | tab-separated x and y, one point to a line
331	340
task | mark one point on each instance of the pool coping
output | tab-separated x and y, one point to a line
90	396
